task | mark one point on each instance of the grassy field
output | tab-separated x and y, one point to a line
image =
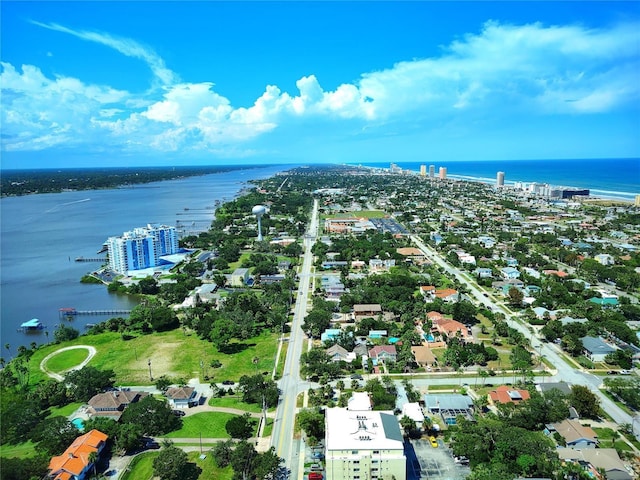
65	411
234	402
209	424
608	438
22	450
141	467
65	360
173	353
209	468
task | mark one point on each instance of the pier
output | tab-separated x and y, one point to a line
97	260
70	313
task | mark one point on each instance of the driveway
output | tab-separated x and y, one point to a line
428	463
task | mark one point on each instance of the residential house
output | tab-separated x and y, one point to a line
363	444
604	259
334	264
414	412
532	272
378	265
548	386
270	279
596	349
74	462
377	334
112	404
557	273
428	292
423	355
604	302
511	262
412	254
337	353
330	334
383	354
449	295
450	328
566	320
594	459
182	397
449	406
506	394
370	310
483	272
574	434
510	272
239	277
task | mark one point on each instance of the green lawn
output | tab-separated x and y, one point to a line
209	424
234	402
65	360
359	214
64	411
173	353
608	438
22	450
141	467
209	468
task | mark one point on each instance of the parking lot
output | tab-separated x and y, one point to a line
426	462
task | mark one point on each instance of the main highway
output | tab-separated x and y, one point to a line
291	385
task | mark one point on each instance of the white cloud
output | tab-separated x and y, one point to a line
503	70
126	46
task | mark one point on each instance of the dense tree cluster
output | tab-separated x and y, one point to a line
246	462
23	182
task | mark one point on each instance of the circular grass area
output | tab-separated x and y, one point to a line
63	361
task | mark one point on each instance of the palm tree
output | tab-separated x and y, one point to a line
93	458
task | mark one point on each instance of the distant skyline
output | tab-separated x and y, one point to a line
95	84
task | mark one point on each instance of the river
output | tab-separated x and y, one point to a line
41	235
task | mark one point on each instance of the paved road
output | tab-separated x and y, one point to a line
549	351
291	384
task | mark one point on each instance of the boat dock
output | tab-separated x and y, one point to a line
72	312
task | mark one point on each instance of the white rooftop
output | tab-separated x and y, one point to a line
366	430
413	411
359	401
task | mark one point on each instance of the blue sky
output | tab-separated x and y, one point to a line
164	83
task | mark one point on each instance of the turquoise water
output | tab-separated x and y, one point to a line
78	423
428	337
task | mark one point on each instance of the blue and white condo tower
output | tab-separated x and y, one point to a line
141	248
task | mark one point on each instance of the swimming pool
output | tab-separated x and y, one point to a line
78	423
428	337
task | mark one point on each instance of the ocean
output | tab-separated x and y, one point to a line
607	178
41	235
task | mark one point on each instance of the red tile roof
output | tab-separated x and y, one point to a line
76	457
505	394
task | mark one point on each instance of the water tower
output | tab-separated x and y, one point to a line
259	211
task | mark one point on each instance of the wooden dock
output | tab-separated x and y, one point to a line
72	312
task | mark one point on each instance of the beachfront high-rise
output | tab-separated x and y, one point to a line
432	171
443	173
423	170
500	179
141	248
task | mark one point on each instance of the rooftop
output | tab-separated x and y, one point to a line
362	430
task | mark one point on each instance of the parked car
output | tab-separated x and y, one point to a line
315	476
228	382
625	372
356	376
434	442
612	372
178	413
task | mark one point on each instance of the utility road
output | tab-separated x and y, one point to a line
291	384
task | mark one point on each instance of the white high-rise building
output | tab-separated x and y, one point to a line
141	248
423	170
432	171
500	179
363	444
